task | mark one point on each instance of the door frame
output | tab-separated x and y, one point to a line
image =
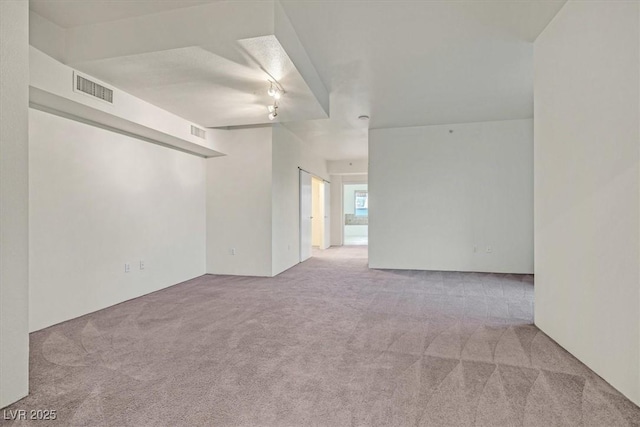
303	250
326	212
324	181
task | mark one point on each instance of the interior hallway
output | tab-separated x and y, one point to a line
328	342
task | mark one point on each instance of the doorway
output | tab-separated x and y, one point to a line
356	214
317	213
314	214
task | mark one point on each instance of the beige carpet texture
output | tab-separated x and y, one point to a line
326	343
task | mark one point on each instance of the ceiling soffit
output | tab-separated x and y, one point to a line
210	64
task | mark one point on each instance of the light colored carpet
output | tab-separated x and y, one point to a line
327	343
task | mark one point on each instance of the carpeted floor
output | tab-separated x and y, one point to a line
327	343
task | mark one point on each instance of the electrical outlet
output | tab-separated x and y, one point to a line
475	249
233	251
127	267
141	265
489	249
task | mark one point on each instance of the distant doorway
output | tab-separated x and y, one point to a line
314	214
317	213
356	214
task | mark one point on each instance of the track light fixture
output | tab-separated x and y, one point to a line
275	91
273	110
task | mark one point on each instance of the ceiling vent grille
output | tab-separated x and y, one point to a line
196	131
94	89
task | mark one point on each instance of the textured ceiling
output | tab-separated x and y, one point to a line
404	63
209	89
74	13
410	63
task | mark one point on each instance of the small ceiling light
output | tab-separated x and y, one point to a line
363	117
273	111
276	91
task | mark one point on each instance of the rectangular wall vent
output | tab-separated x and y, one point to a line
196	131
94	89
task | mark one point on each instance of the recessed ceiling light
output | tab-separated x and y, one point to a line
363	117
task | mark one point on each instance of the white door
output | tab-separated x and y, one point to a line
326	210
305	216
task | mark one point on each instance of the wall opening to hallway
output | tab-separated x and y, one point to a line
356	214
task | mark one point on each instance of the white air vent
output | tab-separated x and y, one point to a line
83	85
196	131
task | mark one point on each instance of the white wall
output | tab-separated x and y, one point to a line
337	221
587	187
253	200
356	231
14	194
239	204
289	153
434	195
98	200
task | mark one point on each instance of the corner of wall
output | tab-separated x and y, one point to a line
588	192
47	37
239	203
14	199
